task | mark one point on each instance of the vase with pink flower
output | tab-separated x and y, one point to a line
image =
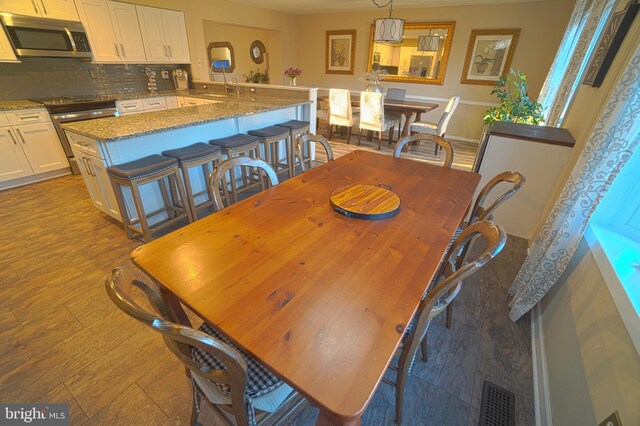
292	73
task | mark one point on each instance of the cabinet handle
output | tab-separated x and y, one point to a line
21	136
130	106
87	164
12	137
117	51
34	6
44	7
170	51
28	117
166	53
154	103
124	55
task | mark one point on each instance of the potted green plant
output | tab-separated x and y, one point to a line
256	77
515	105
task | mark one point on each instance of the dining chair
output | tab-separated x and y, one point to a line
395	94
443	143
340	112
456	268
439	128
229	380
372	116
217	181
307	139
479	212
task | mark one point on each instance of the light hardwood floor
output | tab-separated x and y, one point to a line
62	340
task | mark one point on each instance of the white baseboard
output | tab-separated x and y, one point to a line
541	396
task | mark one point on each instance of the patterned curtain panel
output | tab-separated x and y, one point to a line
586	21
613	140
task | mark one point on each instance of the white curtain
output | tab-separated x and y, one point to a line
613	140
586	20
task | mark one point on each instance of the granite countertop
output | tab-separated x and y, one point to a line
19	104
126	127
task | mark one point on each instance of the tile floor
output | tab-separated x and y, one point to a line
62	340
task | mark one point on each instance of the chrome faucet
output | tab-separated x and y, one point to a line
237	86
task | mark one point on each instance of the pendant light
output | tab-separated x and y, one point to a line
389	30
428	43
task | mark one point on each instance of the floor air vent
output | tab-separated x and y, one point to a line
498	406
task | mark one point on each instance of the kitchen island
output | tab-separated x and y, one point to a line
98	144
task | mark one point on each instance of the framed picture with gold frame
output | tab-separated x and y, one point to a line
341	52
489	55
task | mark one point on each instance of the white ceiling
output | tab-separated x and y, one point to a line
303	7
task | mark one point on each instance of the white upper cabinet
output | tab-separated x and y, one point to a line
164	35
54	9
127	31
58	9
6	51
94	14
176	34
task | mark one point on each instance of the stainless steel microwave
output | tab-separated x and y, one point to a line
46	37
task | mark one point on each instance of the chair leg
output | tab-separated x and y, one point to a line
449	314
330	131
197	402
379	140
349	134
423	348
401	379
391	132
142	218
359	136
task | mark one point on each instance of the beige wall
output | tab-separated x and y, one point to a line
542	25
593	367
241	39
222	11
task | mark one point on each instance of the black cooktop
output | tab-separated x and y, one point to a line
77	103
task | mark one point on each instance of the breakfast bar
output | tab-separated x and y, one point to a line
98	144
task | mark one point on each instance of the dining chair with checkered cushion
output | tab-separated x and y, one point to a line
233	383
218	182
510	182
306	139
456	268
418	137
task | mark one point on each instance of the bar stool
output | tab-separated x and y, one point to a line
271	137
198	154
298	128
154	168
239	145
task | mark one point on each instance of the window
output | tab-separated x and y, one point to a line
614	238
560	80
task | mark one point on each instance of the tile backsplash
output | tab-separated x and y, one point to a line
36	78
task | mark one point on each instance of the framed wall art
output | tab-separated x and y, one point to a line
610	42
341	51
489	55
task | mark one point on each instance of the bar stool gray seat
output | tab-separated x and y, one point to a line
298	128
199	154
271	137
154	168
240	145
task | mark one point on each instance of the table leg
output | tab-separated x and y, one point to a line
408	115
328	419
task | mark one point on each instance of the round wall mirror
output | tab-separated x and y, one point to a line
257	51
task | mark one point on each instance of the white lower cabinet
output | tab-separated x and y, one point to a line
13	161
94	174
29	149
42	147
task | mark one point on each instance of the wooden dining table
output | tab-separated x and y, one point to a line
321	299
408	108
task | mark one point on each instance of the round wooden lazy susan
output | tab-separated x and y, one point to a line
365	202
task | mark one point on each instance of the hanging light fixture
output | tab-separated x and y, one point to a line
390	30
428	43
